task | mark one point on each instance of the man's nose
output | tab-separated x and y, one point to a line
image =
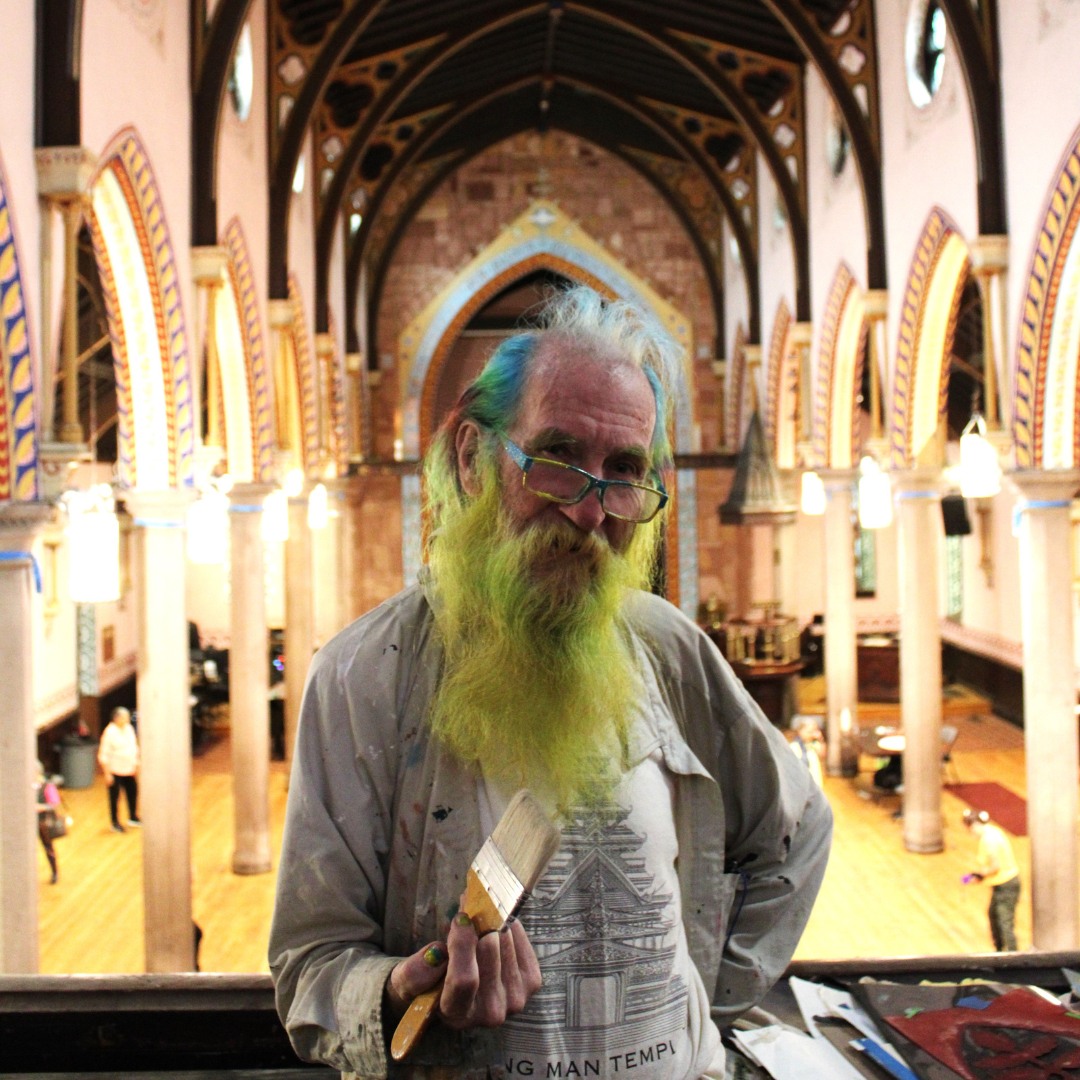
588	515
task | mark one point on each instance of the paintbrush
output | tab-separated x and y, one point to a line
500	880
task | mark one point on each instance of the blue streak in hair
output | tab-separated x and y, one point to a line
497	391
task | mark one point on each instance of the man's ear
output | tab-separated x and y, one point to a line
467	446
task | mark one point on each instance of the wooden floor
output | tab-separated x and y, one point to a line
877	900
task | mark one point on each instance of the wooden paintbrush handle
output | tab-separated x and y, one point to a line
414	1023
486	918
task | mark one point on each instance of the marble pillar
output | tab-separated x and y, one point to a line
20	524
919	539
299	614
249	682
1050	723
841	676
162	693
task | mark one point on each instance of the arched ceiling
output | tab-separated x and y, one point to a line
395	93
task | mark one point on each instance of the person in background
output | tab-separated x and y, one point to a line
996	866
48	806
808	745
118	755
531	653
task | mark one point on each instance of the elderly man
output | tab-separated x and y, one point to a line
530	655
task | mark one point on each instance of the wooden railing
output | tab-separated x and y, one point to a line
219	1026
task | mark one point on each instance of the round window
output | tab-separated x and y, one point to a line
924	52
242	75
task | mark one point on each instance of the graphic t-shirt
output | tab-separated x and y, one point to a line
621	996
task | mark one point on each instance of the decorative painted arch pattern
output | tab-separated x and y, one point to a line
339	416
18	441
243	284
543	232
131	237
541	237
841	358
1047	353
307	382
736	413
783	389
927	325
474	303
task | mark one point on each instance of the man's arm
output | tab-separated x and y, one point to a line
777	830
352	880
779	864
326	941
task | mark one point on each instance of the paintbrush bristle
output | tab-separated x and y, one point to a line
526	838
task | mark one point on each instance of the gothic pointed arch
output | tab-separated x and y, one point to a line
932	294
305	419
134	254
245	374
782	394
841	359
541	237
1048	347
737	400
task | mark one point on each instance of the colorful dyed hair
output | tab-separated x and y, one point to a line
580	317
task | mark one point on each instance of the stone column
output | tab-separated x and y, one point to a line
919	535
1050	731
841	679
162	692
19	526
249	682
299	614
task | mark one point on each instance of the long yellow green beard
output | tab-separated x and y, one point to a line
539	680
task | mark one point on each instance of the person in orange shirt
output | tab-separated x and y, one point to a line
996	867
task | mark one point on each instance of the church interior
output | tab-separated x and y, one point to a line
251	251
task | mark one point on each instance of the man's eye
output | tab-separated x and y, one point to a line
628	470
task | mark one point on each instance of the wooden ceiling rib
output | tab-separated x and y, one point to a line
714	73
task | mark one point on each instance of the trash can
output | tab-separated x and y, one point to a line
78	759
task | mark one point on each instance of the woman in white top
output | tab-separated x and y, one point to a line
118	755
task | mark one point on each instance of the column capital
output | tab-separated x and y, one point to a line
354	363
1046	485
21	522
876	304
801	334
65	173
989	254
165	509
837	478
921	482
208	263
324	345
279	313
247	497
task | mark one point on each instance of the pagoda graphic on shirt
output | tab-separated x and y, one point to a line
605	937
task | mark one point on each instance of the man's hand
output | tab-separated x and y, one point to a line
487	978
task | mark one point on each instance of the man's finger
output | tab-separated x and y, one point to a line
462	974
415	974
527	961
489	1006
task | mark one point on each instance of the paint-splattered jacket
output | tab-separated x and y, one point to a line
382	825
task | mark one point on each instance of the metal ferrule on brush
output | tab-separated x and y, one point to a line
502	884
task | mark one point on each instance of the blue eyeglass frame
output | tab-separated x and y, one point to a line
525	462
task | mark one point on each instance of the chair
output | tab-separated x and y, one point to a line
948	765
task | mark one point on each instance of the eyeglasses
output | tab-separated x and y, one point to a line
567	484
